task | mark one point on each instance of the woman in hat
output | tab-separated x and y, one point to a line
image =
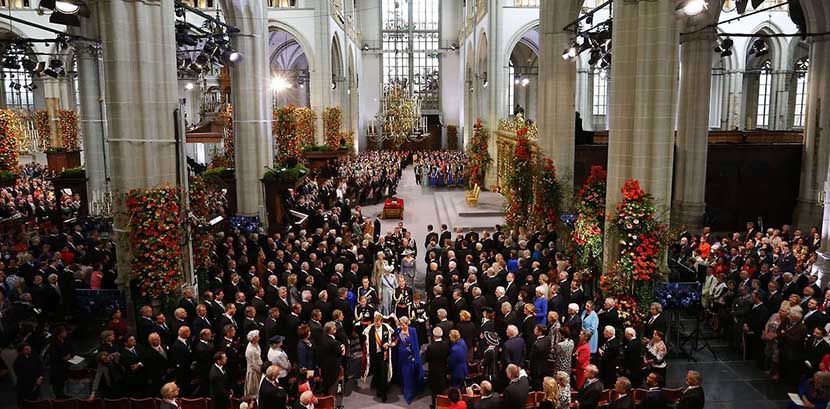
408	267
491	356
254	357
279	359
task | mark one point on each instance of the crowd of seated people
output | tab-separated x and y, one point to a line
32	197
500	315
439	168
760	291
371	176
499	312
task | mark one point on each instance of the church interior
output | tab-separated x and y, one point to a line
414	203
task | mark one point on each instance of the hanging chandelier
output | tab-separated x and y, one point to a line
400	119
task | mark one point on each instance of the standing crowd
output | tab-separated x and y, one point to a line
439	168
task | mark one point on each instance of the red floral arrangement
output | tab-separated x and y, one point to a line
590	220
519	186
332	122
642	242
226	114
548	195
306	119
41	119
284	127
68	129
206	203
11	134
156	238
478	158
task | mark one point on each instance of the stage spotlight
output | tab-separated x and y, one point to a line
189	86
596	55
55	64
231	56
50	72
525	82
28	64
693	7
759	48
570	52
17	87
366	47
454	46
279	84
11	63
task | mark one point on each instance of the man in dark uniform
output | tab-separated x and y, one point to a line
436	356
378	340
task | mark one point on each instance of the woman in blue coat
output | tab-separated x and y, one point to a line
408	354
457	360
541	304
590	323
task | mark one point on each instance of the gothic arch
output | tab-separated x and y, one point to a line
274	25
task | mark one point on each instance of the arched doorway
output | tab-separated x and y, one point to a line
523	73
289	70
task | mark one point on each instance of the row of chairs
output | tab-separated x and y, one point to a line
535	398
323	402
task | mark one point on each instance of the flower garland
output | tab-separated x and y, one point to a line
306	120
642	242
332	121
590	220
548	195
11	133
155	240
519	187
206	203
478	158
284	128
41	119
68	129
226	114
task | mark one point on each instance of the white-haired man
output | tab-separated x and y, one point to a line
608	354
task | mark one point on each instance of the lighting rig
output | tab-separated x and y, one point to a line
596	38
200	48
17	55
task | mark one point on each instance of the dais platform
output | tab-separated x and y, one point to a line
454	211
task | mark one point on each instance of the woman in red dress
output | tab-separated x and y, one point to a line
583	357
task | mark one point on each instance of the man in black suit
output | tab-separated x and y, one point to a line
632	363
815	348
431	236
157	361
220	393
435	357
591	390
625	400
538	357
188	303
329	356
692	397
814	318
135	378
655	322
754	326
169	395
445	235
573	321
511	290
145	324
271	395
608	315
378	338
203	359
376	225
655	398
201	320
28	369
514	347
608	354
515	394
488	399
182	360
443	323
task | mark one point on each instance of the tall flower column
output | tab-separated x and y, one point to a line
643	103
141	89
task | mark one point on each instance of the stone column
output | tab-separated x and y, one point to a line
781	80
320	76
583	98
91	120
691	147
251	98
816	149
141	96
557	86
643	98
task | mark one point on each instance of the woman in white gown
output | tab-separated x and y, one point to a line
253	355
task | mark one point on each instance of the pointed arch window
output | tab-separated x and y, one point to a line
801	77
764	95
